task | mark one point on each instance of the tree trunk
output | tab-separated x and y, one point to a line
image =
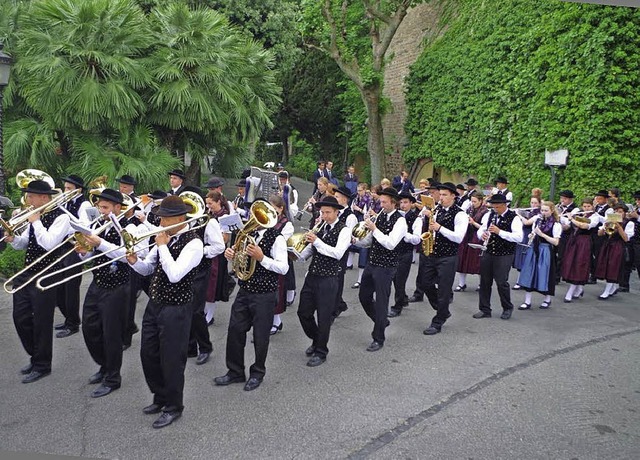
285	149
375	133
194	173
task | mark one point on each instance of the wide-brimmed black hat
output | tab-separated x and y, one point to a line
433	185
497	199
157	194
344	191
75	180
283	174
636	194
177	172
242	183
460	187
603	193
110	194
214	182
128	180
390	192
328	201
171	206
408	196
39	187
500	179
448	186
471	182
569	194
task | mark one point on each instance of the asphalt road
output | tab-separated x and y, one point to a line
562	383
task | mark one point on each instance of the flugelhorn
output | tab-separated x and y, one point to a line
360	230
297	242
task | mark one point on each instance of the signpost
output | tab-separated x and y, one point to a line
555	159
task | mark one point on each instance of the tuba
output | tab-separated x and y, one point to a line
97	186
262	215
195	201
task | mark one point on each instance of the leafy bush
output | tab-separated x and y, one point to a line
11	261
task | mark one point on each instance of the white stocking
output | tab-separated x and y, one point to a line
209	310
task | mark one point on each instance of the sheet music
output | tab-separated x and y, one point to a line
230	222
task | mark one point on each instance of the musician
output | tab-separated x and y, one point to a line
68	294
167	318
105	306
565	209
405	249
348	218
461	198
319	193
528	218
286	283
360	207
385	234
500	188
611	258
327	249
32	308
238	201
289	194
633	229
602	208
502	231
176	181
469	257
126	185
253	307
351	180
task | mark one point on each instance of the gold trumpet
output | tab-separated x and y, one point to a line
297	242
360	231
611	224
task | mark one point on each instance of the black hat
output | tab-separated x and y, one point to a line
460	187
283	174
129	180
157	194
110	194
621	206
433	185
279	166
636	194
448	186
73	179
177	172
39	187
390	192
497	199
408	196
344	191
501	179
471	182
603	193
214	182
242	183
171	206
245	173
569	194
328	201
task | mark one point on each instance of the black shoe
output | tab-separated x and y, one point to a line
544	305
394	312
623	289
96	378
506	314
166	419
275	329
26	370
460	288
592	280
152	409
310	351
252	384
34	375
192	354
202	358
375	346
102	390
431	330
59	327
126	346
228	380
527	306
415	298
316	361
516	287
481	314
211	321
66	332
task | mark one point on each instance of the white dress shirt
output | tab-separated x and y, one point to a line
460	225
336	252
213	240
278	260
351	220
389	241
514	236
47	239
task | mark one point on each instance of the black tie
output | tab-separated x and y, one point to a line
327	229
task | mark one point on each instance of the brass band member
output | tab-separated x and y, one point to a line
611	257
253	307
501	230
176	182
327	249
349	219
447	226
32	308
167	318
384	235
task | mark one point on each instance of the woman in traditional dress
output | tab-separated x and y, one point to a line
219	275
528	217
468	257
611	256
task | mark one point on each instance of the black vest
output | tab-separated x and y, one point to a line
346	212
379	255
404	247
635	239
205	263
498	246
586	231
74	206
263	280
602	209
34	250
322	265
116	273
444	247
163	291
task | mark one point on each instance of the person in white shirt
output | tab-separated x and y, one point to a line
500	188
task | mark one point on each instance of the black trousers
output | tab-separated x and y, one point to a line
103	318
315	301
199	336
132	301
436	276
163	351
250	310
495	268
33	317
68	294
400	280
376	280
340	304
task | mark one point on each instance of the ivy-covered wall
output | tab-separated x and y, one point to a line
511	78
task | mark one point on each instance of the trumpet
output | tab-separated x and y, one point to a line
297	243
360	231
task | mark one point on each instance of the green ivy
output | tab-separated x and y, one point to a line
11	261
511	78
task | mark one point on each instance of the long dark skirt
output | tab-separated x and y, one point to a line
217	288
610	261
577	259
285	283
518	259
468	257
538	271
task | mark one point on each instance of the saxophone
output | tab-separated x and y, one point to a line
429	237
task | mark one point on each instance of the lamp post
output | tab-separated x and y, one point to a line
5	68
347	130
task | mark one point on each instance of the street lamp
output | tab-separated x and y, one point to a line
347	130
5	69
